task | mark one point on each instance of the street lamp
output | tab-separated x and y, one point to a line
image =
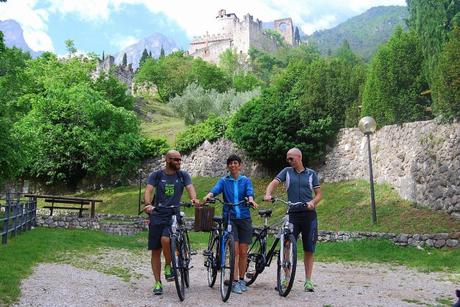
367	125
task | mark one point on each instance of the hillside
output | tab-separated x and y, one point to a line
364	32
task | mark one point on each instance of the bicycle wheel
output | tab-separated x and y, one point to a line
256	263
211	260
227	268
286	265
177	262
187	252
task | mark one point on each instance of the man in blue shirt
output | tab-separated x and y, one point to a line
236	188
301	183
169	184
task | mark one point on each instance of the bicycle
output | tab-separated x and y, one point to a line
259	258
219	256
180	250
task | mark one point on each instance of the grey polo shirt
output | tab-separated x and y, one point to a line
299	186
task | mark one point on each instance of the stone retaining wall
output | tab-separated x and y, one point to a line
130	225
421	160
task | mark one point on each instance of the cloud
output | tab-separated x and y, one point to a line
33	22
325	22
121	42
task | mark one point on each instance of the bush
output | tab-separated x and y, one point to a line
211	129
153	147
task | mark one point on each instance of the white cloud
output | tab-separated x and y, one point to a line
121	42
325	22
195	17
33	22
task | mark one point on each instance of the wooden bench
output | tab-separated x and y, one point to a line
54	201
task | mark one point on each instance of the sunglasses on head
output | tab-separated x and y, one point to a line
176	159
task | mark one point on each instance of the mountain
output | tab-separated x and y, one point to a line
365	32
153	44
14	37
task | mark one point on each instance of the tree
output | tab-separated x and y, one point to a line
114	91
103	56
230	62
395	81
144	57
446	87
162	52
72	130
432	20
296	36
13	84
124	62
70	45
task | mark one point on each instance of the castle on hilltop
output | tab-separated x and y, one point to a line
123	73
240	36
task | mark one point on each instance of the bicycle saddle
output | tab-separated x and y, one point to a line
265	212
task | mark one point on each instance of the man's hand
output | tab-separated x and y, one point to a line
207	197
195	202
148	209
268	197
253	204
311	205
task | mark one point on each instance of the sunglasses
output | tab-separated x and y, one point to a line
290	159
176	159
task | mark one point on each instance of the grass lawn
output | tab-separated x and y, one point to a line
345	206
22	253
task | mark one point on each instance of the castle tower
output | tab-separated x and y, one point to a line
286	29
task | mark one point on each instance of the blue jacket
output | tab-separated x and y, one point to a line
234	191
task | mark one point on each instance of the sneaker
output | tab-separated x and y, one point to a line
158	288
236	288
284	284
243	286
308	286
168	273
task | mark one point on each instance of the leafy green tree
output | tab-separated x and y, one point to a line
395	81
208	75
297	36
263	64
124	62
432	20
194	105
276	36
230	62
13	84
144	57
447	84
162	52
114	91
70	45
72	130
246	81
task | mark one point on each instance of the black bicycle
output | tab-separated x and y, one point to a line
219	256
180	251
284	247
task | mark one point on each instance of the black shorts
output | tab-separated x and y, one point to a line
242	230
156	231
306	223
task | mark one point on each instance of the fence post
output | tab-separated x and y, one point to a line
7	219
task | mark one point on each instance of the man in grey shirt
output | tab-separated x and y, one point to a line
301	183
169	185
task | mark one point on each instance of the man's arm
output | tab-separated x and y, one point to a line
271	186
148	208
192	194
312	204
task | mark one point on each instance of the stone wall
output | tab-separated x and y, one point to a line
210	159
421	160
130	225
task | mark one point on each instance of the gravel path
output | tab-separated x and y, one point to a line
336	285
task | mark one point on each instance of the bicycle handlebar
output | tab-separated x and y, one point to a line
242	202
288	203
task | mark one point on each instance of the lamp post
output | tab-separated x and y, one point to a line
139	173
367	125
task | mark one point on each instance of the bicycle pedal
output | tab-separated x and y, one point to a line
207	253
190	267
193	253
249	275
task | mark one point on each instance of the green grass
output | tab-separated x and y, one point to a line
163	122
345	207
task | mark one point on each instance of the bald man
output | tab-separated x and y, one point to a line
301	183
169	184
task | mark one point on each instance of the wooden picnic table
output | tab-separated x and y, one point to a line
56	199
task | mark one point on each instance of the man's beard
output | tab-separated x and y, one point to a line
174	166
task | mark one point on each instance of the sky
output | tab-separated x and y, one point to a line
112	25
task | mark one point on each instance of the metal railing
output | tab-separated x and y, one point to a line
17	215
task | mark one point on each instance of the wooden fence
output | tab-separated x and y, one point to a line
17	215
